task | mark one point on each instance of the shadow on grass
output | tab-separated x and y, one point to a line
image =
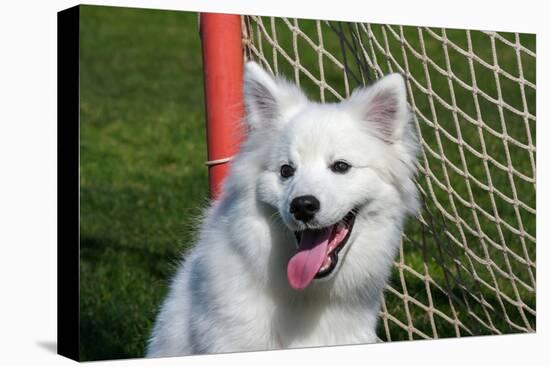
94	250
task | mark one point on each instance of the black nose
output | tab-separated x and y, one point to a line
304	207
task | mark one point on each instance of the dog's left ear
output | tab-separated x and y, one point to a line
383	106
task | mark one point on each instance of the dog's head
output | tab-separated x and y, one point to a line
327	166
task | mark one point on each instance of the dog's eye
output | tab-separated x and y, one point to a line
340	167
287	171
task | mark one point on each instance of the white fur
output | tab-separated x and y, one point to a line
231	292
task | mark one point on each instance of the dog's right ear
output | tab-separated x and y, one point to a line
268	101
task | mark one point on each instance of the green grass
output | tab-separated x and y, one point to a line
143	180
142	173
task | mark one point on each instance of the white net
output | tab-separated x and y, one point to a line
467	262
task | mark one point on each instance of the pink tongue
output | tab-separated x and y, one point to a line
312	251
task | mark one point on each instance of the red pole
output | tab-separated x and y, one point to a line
222	57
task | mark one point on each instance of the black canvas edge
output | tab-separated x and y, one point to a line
68	183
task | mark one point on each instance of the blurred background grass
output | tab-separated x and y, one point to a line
143	179
142	175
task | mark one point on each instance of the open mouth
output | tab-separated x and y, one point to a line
318	250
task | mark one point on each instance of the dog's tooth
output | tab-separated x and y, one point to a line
326	264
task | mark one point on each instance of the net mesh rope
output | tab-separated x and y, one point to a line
466	265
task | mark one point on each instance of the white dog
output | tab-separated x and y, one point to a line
298	248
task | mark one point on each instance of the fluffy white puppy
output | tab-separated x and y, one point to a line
298	248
